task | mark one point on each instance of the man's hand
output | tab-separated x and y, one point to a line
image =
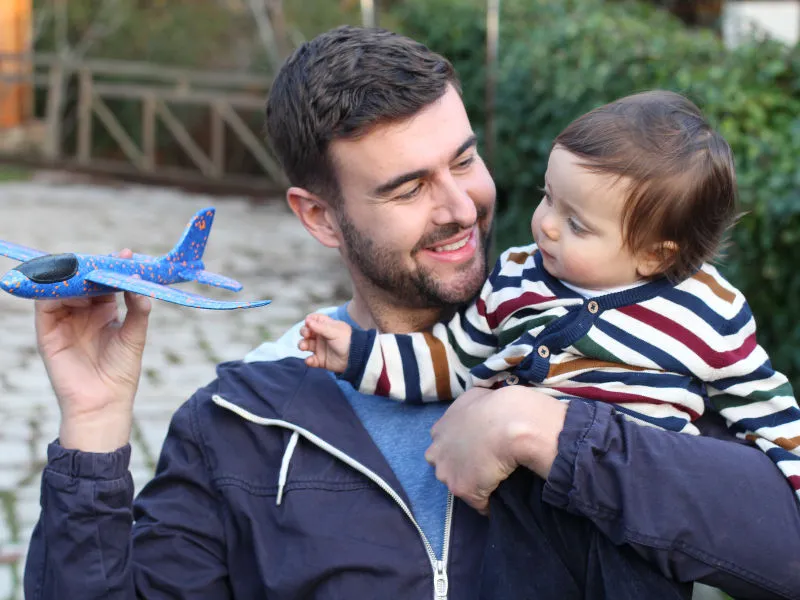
93	361
328	340
486	434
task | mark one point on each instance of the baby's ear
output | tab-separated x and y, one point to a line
656	259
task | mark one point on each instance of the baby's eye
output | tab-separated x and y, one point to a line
576	227
547	197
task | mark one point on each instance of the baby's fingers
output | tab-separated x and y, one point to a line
324	326
308	344
313	361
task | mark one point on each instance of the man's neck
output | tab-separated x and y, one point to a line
386	318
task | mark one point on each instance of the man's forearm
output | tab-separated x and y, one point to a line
81	545
698	508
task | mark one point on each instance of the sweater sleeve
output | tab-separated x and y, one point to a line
434	365
86	545
698	508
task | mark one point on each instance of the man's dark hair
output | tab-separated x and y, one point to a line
340	85
682	183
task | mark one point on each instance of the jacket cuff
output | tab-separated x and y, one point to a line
580	426
88	465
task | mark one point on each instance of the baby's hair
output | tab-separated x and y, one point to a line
681	179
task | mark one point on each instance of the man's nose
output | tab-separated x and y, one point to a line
456	206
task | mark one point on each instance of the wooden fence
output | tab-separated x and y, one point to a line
231	100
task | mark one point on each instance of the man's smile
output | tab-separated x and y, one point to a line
457	248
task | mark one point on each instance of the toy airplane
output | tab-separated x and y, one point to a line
44	275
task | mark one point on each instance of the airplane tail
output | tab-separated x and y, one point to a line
195	236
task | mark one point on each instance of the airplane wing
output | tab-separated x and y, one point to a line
162	292
210	278
17	252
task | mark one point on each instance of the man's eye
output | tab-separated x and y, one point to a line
466	162
410	193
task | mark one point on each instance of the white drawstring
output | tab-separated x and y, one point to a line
287	458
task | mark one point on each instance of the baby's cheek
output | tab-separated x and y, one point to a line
583	269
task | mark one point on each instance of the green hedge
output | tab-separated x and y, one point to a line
560	58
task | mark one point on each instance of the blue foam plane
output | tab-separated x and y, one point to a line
42	275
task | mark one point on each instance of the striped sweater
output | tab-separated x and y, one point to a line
660	352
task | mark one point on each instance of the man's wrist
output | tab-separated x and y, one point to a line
534	436
96	433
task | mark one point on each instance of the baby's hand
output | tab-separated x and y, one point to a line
328	340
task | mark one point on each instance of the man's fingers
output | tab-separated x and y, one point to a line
429	455
134	327
50	307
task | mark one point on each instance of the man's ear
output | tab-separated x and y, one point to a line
656	259
316	215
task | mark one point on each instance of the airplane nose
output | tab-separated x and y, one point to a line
12	281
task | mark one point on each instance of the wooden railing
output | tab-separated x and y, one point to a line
157	90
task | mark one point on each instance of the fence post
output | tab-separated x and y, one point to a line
53	117
85	94
368	13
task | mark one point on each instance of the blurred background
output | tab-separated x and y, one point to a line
112	93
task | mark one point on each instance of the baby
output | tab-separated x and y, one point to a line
614	301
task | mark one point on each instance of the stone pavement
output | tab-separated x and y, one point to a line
261	245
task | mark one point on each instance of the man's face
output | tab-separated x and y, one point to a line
417	207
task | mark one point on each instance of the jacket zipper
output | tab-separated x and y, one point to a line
439	567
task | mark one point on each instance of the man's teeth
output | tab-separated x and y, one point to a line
453	246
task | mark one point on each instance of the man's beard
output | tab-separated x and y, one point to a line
385	268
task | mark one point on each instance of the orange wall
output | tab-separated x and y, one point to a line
15	27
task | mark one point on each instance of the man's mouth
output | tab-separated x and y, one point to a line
455	249
452	246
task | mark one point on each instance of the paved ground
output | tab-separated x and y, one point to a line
262	246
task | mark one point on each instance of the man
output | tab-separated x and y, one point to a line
278	481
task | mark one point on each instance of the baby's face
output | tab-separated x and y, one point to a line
578	226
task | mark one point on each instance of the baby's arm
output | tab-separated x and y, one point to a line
430	366
436	365
374	363
328	340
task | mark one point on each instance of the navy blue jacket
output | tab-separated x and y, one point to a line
268	486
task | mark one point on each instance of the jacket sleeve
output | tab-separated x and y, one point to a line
87	546
699	508
437	365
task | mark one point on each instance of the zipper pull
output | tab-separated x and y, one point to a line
440	583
